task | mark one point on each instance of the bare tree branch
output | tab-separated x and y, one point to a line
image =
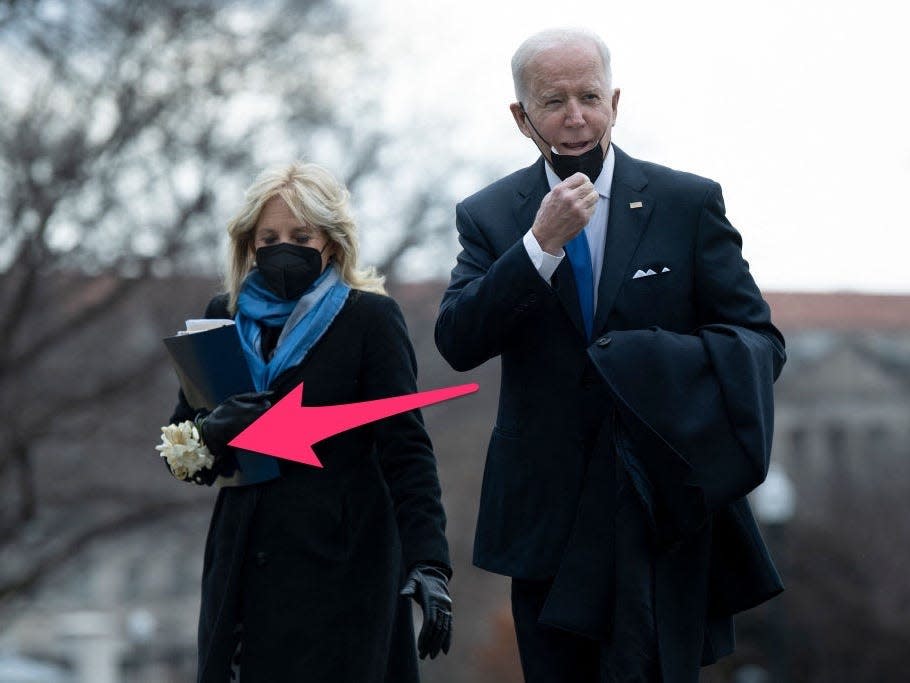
136	129
66	549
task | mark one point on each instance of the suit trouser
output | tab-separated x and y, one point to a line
552	655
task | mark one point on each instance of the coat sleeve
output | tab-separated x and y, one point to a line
488	296
404	448
697	409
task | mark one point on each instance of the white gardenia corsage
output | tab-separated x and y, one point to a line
184	451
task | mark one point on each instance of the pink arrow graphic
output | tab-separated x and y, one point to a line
288	429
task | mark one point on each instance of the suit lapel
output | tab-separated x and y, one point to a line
528	200
626	226
531	191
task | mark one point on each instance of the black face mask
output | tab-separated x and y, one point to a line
590	163
289	269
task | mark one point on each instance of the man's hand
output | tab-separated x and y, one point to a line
564	211
428	586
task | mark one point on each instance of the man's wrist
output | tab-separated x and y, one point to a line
545	264
550	247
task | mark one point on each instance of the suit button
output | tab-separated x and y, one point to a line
261	559
603	341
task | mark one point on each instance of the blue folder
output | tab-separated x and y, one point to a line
211	367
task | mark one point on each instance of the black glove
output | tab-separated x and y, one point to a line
229	418
427	584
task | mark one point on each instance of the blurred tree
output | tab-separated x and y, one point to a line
128	130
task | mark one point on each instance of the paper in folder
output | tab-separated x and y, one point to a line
211	367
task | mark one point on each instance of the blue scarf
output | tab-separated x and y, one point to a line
304	321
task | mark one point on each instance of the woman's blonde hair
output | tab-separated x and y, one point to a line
316	199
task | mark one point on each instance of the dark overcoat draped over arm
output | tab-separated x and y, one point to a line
684	351
697	411
693	421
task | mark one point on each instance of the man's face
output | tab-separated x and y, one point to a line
567	100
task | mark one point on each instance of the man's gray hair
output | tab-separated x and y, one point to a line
554	37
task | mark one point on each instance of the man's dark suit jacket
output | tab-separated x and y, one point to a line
688	356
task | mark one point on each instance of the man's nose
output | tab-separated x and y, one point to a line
574	116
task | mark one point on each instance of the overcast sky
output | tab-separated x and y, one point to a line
799	109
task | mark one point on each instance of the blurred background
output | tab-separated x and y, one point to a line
128	132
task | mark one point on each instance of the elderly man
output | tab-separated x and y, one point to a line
635	410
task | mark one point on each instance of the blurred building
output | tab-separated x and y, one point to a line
842	438
124	609
842	411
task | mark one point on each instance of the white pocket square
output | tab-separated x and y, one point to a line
649	272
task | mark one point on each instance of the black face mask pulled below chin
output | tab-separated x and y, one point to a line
289	270
590	163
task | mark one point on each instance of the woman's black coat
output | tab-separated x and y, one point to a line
311	563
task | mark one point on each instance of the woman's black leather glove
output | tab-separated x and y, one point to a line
428	585
229	418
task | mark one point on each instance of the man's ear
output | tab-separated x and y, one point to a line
521	120
615	104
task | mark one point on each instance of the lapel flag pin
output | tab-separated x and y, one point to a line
635	205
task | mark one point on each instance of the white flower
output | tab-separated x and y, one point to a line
183	449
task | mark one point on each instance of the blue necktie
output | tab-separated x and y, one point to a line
579	254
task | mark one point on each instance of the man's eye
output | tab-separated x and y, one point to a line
592	97
552	102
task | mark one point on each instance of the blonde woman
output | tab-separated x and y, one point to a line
304	574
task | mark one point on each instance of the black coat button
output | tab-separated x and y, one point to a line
603	341
261	559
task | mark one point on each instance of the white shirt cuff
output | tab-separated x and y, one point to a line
545	264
